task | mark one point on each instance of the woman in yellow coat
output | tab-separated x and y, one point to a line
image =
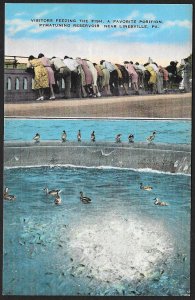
41	80
153	77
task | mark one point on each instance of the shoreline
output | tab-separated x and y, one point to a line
173	158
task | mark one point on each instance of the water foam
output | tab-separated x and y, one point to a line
141	170
120	249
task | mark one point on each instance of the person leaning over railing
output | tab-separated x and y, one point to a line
165	77
100	76
133	75
64	72
75	69
105	82
186	71
45	61
114	79
140	69
123	78
94	73
41	80
88	80
159	78
152	79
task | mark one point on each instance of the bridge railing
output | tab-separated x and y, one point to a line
19	86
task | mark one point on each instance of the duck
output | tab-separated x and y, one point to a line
79	136
52	192
93	136
6	195
118	138
160	203
58	199
151	137
145	187
131	138
84	199
64	136
37	137
9	197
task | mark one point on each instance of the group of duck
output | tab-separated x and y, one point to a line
150	138
58	199
157	201
54	193
87	200
83	199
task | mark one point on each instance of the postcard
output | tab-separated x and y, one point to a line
97	149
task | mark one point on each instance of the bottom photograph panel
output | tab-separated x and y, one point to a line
97	207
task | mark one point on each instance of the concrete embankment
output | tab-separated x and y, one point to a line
142	106
174	158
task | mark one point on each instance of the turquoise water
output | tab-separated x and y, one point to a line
105	130
120	244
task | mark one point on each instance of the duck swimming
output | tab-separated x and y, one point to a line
52	192
84	199
131	138
118	138
79	136
160	203
37	137
145	187
9	197
64	136
93	136
58	199
151	137
6	195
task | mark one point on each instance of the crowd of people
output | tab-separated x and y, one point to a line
86	79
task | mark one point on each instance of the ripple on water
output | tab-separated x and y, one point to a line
120	244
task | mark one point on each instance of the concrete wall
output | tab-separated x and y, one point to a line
162	157
16	91
12	94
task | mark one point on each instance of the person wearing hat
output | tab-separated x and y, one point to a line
186	70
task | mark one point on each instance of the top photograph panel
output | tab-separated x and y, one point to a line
98	60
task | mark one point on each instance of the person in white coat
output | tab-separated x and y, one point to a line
95	76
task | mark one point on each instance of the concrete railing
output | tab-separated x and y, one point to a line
18	86
174	158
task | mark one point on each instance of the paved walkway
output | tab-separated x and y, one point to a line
148	106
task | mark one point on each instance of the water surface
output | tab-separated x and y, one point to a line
171	131
120	244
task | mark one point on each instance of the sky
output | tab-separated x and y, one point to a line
161	31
